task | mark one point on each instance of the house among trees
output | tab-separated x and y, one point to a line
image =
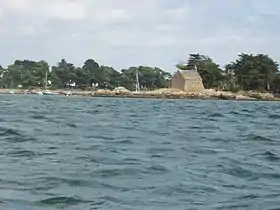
187	80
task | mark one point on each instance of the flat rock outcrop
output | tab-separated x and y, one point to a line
210	94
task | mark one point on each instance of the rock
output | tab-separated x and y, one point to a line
261	96
242	97
103	92
120	90
175	93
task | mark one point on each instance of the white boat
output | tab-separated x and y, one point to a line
48	92
68	93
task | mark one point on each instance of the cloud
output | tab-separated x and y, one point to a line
61	9
129	32
65	10
28	30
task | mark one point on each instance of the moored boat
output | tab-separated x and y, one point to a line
48	92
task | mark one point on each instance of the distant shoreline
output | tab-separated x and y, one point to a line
160	94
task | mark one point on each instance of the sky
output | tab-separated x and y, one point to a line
123	33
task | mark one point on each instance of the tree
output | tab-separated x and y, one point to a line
247	72
14	75
229	80
40	70
128	78
210	72
162	78
92	72
149	78
275	84
63	74
254	72
110	77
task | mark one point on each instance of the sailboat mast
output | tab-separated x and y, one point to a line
46	80
137	81
195	67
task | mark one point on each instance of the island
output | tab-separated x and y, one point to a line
249	77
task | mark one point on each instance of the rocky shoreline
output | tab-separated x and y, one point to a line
177	94
121	92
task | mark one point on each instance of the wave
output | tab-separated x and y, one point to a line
22	153
88	154
216	115
73	200
271	156
122	172
259	138
15	135
239	172
274	116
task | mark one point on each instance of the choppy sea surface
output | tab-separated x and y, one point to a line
141	154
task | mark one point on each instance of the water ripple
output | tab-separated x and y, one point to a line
111	153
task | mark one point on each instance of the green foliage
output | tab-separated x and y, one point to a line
247	72
149	78
31	74
110	77
254	72
275	84
210	72
25	74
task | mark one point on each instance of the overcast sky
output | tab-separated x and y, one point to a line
121	33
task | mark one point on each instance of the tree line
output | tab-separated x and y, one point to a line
248	72
65	75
